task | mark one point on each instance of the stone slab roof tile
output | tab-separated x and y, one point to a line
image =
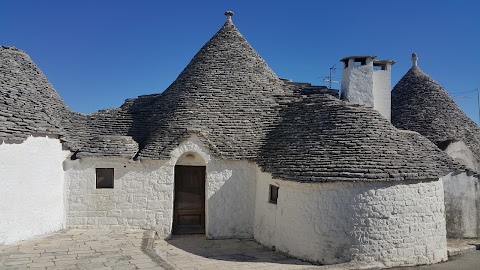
321	138
239	108
227	91
420	104
109	146
432	153
29	105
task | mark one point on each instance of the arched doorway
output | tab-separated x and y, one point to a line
189	195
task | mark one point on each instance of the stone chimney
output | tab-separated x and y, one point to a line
366	81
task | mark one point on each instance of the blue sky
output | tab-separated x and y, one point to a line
98	53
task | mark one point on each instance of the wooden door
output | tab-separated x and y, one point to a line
189	200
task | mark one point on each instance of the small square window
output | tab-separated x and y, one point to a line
104	177
273	197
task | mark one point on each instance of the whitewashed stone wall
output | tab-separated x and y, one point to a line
369	87
142	196
382	96
230	199
392	223
31	189
357	83
143	193
462	194
462	201
460	152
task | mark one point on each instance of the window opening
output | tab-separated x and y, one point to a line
273	196
104	177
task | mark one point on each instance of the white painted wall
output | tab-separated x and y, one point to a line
365	86
357	83
31	188
230	199
462	199
462	194
382	84
392	223
460	152
143	193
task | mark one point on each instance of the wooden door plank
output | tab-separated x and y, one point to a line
189	200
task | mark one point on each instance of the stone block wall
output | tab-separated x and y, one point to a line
395	223
143	194
357	84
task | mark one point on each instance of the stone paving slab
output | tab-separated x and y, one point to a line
461	246
135	249
195	252
79	249
74	249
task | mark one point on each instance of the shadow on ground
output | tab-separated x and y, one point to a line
232	250
467	261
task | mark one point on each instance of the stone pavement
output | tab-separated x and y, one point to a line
465	261
135	249
79	249
194	252
461	246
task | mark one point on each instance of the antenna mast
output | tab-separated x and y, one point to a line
329	78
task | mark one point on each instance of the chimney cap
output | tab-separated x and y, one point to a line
357	57
384	62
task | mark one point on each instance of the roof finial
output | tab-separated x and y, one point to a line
414	60
229	15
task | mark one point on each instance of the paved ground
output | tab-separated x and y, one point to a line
194	252
134	249
468	261
79	249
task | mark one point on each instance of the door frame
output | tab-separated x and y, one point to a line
203	205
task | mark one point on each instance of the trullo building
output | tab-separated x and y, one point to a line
420	104
228	150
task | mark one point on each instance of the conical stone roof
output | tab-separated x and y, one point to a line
321	139
230	97
238	107
227	92
420	104
29	105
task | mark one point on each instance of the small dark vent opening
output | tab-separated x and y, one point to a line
379	67
273	194
360	61
444	144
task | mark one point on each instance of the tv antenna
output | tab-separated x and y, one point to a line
461	95
330	78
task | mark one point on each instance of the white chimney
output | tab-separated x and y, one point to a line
367	82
